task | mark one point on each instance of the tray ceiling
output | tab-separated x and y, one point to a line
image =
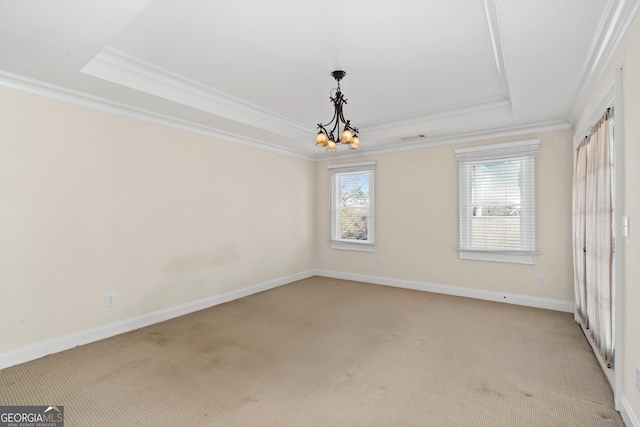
259	72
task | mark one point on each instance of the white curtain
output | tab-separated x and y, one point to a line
593	237
579	241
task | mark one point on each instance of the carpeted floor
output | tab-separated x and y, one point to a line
327	352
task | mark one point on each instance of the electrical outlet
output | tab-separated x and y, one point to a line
110	300
638	378
379	263
542	280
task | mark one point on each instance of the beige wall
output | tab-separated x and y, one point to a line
417	223
93	203
627	57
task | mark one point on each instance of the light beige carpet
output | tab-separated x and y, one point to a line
326	352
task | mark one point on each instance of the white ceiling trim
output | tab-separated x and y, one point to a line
618	16
507	132
495	33
596	111
124	69
38	88
427	120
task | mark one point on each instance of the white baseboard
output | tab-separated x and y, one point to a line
629	418
549	304
55	345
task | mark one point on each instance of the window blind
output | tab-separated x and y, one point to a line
497	198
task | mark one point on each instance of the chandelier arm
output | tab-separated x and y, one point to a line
335	118
328	123
343	101
342	119
336	128
321	128
347	123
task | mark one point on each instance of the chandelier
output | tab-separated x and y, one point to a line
349	133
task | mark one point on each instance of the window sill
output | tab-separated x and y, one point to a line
349	246
497	257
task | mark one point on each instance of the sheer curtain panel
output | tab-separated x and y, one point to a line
593	236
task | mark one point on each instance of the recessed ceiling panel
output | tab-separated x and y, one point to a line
405	57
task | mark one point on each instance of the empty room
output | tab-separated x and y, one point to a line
251	213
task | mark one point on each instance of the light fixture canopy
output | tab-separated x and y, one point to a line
349	136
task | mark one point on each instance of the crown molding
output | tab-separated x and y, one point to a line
499	105
506	132
46	90
614	24
596	111
127	70
495	34
69	96
124	69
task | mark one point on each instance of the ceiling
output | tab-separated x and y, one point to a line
419	73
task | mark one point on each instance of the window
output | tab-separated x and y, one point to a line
497	202
352	206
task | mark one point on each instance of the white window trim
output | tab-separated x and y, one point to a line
490	153
497	257
352	245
